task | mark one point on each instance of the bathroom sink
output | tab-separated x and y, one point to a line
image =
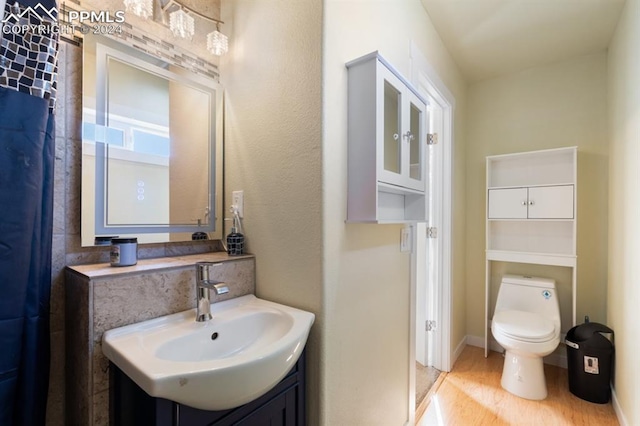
236	357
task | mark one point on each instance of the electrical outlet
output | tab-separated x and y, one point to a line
237	199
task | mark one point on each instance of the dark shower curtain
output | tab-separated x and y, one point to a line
27	94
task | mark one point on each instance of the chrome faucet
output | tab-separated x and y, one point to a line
203	285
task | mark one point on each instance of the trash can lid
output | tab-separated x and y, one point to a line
586	331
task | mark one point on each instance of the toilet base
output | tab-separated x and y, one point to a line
523	376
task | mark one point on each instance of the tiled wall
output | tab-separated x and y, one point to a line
67	249
98	301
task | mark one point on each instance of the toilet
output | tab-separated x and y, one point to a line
526	323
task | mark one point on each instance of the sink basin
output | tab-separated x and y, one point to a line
238	356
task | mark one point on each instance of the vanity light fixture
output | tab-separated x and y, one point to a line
141	8
217	43
181	24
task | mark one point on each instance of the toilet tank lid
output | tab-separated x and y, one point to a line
529	281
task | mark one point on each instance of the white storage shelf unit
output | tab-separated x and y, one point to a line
531	206
531	213
387	151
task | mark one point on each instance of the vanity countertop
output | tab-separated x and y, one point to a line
106	270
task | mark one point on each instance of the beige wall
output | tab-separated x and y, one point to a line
624	205
272	81
293	172
365	366
552	106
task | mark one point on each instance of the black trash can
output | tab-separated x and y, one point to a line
589	361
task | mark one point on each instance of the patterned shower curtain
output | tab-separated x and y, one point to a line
27	97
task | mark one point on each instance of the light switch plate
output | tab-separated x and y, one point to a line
405	239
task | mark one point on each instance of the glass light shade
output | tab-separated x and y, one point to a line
142	8
181	24
217	43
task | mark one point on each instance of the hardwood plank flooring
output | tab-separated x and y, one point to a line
471	395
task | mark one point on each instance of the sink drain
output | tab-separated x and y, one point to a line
214	336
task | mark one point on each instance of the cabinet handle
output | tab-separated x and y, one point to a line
531	203
409	136
396	137
524	203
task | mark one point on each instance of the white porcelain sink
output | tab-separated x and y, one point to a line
239	355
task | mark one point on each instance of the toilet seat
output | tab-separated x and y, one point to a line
523	326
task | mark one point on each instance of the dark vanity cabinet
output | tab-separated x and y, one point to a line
284	405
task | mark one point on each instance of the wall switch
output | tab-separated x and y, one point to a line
405	239
237	199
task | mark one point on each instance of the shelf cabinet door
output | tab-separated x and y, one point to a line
402	121
508	203
551	202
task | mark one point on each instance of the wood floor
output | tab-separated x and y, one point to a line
471	395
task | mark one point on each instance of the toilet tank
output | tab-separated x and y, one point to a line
529	294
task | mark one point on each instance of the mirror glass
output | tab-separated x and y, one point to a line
151	147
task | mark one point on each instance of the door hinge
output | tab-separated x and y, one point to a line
432	232
430	325
432	138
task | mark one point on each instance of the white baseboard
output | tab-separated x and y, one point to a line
476	341
458	351
557	358
617	409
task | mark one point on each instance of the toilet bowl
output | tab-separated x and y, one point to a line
526	323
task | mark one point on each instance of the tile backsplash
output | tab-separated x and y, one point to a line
100	298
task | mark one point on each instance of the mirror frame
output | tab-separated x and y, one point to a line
107	48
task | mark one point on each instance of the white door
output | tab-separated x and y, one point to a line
431	260
433	250
433	320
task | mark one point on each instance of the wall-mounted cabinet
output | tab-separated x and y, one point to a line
531	213
387	144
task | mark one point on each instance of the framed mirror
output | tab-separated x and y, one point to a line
151	147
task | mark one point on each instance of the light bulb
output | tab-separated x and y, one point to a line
141	8
181	24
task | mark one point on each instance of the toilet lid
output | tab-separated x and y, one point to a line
524	326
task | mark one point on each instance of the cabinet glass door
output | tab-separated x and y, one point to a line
392	153
415	140
402	151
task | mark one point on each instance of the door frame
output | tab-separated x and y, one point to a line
426	80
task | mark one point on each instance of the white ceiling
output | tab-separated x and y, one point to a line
488	38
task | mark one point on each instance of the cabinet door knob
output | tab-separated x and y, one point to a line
531	203
396	137
524	203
